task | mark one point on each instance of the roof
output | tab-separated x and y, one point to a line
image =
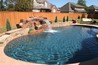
41	1
51	5
93	7
66	8
80	10
70	7
42	5
76	5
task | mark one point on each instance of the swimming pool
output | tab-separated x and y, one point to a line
70	44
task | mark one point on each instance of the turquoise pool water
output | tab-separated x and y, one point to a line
69	45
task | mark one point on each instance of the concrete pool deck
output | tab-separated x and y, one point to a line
5	60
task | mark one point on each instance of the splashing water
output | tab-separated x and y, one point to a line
49	29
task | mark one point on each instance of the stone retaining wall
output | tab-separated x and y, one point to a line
61	24
16	34
22	32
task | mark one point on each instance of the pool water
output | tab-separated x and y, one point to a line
70	44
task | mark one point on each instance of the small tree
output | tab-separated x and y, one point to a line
67	18
78	17
64	19
56	19
8	26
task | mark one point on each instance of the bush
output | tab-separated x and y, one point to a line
2	29
67	18
56	19
78	17
64	19
8	26
30	30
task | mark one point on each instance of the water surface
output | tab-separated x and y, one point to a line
69	45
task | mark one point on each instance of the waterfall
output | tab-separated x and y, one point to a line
49	29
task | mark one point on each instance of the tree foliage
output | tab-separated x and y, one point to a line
20	5
64	19
2	5
23	5
8	26
56	19
78	17
67	18
81	2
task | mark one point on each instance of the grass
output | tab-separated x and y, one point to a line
70	19
60	20
96	20
86	22
3	29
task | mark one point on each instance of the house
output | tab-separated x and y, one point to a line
93	9
71	7
43	6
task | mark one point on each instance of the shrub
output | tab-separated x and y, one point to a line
2	29
67	18
56	19
78	17
8	26
64	19
30	30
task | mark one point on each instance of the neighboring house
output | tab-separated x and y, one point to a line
93	9
43	6
71	7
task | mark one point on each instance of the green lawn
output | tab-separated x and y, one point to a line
3	29
70	19
86	22
96	20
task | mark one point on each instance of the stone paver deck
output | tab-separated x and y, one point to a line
3	38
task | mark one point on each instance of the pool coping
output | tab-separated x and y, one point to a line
5	60
87	25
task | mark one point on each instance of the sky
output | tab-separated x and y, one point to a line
60	3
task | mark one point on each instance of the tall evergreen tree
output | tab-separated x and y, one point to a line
67	18
56	19
64	19
8	26
81	2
